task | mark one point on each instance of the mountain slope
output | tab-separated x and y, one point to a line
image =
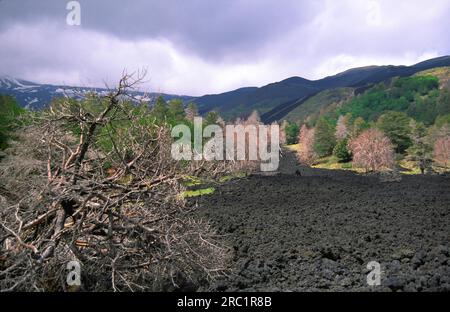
322	101
371	100
357	78
37	96
423	97
276	100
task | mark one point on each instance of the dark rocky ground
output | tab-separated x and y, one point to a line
318	231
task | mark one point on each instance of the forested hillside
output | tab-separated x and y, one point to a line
403	121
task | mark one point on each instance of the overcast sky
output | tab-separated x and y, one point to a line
197	47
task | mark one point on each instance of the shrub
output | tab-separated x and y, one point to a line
341	151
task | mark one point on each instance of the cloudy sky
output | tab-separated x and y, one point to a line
197	47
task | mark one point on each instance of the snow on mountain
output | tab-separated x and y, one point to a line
37	96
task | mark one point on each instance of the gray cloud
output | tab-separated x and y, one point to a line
205	46
212	29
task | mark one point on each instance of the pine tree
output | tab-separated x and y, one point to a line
421	148
176	110
160	109
324	138
396	125
341	151
211	118
359	125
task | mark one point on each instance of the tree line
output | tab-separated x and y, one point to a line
376	145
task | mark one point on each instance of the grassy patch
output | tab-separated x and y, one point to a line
201	192
192	181
293	147
409	167
332	163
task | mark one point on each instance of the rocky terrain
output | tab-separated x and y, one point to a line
318	231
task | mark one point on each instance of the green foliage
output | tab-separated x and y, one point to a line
396	125
210	118
9	111
443	102
359	125
324	138
175	111
200	192
442	121
291	130
160	110
418	96
417	84
421	147
341	151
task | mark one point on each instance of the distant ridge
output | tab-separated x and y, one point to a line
274	101
37	96
277	99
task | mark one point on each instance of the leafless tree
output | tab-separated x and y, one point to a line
117	212
442	151
342	128
306	152
372	150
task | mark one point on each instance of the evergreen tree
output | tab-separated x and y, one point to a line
211	118
341	151
9	111
160	109
324	138
359	125
176	110
421	147
396	125
291	131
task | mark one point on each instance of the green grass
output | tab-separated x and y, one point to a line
196	193
410	167
332	163
192	181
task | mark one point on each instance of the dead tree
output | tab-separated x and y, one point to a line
116	210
